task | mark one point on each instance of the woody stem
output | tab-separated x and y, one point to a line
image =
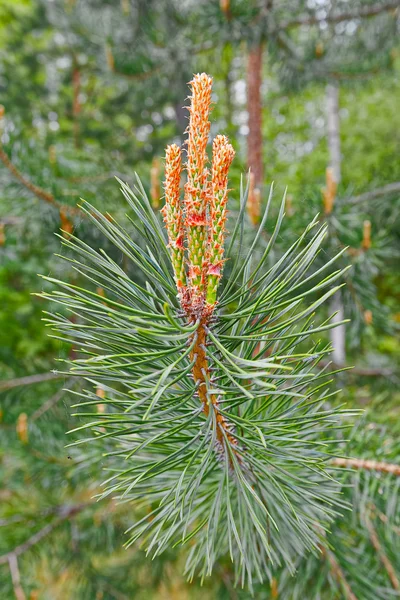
201	375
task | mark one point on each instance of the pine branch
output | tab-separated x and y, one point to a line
16	577
31	519
65	512
10	220
338	573
51	401
36	190
385	520
369	465
370	495
359	371
383	557
215	414
386	190
29	380
359	13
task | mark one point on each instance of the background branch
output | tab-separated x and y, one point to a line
36	190
51	401
360	13
29	380
384	559
369	465
338	574
65	513
16	577
390	188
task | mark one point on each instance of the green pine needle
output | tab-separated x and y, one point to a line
262	491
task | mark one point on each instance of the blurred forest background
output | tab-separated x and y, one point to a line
309	93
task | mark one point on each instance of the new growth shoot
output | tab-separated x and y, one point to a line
196	232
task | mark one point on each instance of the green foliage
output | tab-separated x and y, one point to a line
360	542
261	497
126	116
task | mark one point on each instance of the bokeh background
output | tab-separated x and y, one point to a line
309	93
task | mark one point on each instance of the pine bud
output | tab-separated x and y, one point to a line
329	192
368	317
366	243
253	202
126	8
110	58
66	225
2	234
197	189
225	6
289	205
173	214
22	428
2	113
155	192
205	202
319	49
274	588
52	155
100	392
101	408
223	154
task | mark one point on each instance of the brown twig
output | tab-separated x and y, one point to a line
50	402
30	519
385	520
11	220
30	379
338	574
383	558
369	465
201	376
36	190
64	512
360	13
16	577
369	372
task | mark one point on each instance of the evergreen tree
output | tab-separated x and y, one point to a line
108	61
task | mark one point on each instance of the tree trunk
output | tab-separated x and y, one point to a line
254	139
338	334
76	105
333	126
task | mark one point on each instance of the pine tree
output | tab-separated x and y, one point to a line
89	536
223	422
